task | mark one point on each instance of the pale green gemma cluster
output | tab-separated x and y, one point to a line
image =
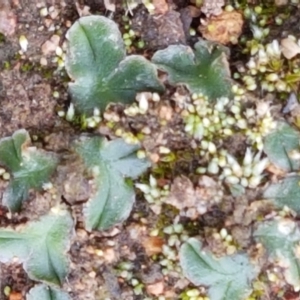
226	239
154	194
269	69
125	270
192	294
212	123
142	104
188	294
204	120
132	4
4	174
175	235
130	37
247	173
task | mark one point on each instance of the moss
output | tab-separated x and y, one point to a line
6	65
166	218
27	67
192	228
177	163
2	38
47	73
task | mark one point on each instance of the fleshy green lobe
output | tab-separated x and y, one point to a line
112	165
204	70
102	73
227	278
29	167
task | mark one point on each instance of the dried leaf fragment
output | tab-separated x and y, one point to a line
110	5
161	6
182	193
281	2
153	245
191	201
194	11
15	296
155	289
224	28
289	48
212	7
8	21
50	45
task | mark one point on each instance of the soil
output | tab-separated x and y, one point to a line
33	89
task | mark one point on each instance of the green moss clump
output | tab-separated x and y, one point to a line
2	38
